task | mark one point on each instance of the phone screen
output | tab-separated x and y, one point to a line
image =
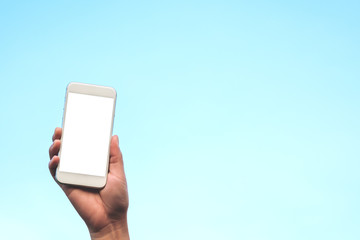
86	133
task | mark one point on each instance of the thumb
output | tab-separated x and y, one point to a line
116	164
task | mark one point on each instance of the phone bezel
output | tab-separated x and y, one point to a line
83	179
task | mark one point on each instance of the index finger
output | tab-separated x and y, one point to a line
57	134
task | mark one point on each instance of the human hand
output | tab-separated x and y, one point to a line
103	210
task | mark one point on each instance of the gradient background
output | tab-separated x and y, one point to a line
236	120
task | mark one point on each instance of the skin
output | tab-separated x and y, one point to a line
103	210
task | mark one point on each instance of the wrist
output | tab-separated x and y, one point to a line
114	230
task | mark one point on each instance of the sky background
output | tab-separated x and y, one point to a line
237	120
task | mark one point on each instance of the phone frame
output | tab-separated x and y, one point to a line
77	178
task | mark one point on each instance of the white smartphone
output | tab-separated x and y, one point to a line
86	133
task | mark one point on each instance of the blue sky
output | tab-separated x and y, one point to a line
237	120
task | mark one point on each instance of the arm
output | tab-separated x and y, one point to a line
103	210
113	231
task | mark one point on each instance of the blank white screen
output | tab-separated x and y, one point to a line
86	134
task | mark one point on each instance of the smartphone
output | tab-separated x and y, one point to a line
86	133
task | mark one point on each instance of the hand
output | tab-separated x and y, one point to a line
103	210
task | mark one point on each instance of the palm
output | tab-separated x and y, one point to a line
89	206
97	207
